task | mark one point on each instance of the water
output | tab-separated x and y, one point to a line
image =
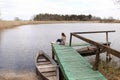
18	46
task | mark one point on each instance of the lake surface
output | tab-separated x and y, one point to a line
18	46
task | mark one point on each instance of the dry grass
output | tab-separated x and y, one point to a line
11	24
109	70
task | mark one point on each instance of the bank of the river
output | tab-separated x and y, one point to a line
11	75
11	24
109	71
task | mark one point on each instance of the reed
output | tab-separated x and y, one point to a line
110	70
11	24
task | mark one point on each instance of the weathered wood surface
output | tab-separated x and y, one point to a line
73	65
98	45
89	32
46	68
78	44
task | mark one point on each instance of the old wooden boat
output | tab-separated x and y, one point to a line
91	50
46	67
87	51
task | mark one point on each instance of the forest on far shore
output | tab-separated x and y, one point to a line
73	17
57	17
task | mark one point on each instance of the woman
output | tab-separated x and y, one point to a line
62	41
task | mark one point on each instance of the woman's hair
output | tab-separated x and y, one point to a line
63	34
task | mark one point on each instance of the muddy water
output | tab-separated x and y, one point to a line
18	46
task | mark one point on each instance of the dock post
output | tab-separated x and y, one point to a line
70	39
96	65
53	57
61	77
108	56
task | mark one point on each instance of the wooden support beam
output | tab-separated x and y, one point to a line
93	32
53	55
61	77
70	39
97	59
107	38
108	57
108	49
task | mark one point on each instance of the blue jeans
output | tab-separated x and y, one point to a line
59	40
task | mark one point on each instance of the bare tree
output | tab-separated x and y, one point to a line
17	19
116	2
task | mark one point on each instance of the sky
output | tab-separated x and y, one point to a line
27	9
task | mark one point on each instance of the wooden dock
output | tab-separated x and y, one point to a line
73	66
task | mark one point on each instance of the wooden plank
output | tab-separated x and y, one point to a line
52	78
73	65
92	32
41	60
43	63
45	66
49	74
48	69
78	44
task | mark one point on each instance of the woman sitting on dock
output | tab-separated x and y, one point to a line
62	41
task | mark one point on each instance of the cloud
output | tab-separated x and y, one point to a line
24	9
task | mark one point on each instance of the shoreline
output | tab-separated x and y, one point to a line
23	75
12	24
106	69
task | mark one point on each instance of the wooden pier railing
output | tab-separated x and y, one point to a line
98	45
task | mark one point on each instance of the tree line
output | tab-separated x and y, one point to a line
57	17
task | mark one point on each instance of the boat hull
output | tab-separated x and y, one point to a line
46	67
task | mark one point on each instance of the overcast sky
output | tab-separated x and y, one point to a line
26	9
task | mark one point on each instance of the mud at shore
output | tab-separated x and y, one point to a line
22	75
